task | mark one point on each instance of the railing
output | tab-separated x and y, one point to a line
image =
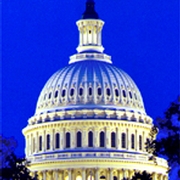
94	155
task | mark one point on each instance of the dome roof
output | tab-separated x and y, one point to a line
89	84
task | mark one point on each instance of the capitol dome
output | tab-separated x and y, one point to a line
90	122
90	84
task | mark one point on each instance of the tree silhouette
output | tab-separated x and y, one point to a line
12	167
167	144
142	176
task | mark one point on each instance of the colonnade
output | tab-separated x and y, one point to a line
41	141
92	174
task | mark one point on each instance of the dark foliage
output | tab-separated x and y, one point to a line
12	167
168	140
15	169
142	176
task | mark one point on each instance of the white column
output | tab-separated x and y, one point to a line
128	139
120	174
60	175
84	138
111	174
49	175
69	174
131	173
36	142
154	176
107	138
96	137
44	175
160	177
97	174
52	140
136	141
124	173
143	141
73	138
62	139
55	174
40	175
44	141
83	174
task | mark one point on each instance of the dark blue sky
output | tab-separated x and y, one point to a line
40	35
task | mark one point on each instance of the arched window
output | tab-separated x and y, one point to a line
72	92
130	94
80	91
68	140
114	178
56	94
99	91
101	139
132	141
79	139
102	177
90	139
48	142
124	93
116	92
90	91
123	140
63	94
50	95
113	139
140	142
40	143
108	91
57	140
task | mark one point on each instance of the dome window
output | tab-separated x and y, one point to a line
56	94
68	140
50	95
79	139
140	142
124	93
99	91
81	91
101	139
130	94
117	92
90	139
132	141
90	91
57	140
108	91
63	94
123	139
113	139
72	92
48	142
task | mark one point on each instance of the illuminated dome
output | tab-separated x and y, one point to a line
90	84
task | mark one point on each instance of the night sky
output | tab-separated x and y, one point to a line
40	35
